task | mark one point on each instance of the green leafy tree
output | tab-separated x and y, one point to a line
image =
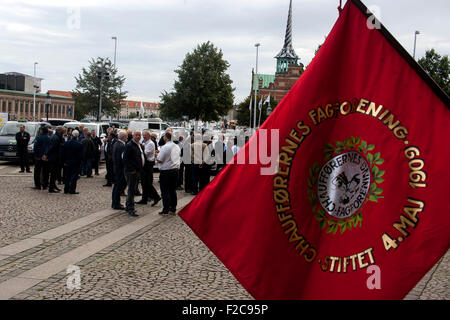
87	90
243	112
438	68
203	90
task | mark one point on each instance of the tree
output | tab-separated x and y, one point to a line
243	112
438	68
87	90
203	90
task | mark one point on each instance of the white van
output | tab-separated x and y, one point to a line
100	128
154	124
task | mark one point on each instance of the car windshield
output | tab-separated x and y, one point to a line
10	129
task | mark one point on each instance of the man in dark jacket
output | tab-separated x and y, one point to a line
120	182
71	157
112	139
23	138
98	147
52	155
41	167
88	153
133	158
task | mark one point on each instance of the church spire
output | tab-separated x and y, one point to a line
287	54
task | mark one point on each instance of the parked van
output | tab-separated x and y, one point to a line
153	124
100	128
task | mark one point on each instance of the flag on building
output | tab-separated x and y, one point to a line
357	206
260	104
142	111
267	100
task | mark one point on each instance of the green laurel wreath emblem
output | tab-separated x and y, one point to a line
331	224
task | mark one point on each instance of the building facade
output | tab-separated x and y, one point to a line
130	107
19	105
288	69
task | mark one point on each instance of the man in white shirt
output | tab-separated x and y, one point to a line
169	160
148	190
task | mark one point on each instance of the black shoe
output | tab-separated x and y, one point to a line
21	171
74	192
107	185
29	171
132	213
142	202
163	213
36	188
53	191
138	194
119	207
155	202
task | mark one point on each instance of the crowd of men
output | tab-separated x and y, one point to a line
183	161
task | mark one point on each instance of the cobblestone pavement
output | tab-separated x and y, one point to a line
163	260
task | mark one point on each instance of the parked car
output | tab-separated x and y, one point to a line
8	143
154	124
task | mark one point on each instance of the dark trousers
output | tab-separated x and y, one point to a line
71	178
204	176
169	189
195	177
41	171
188	177
132	180
53	170
109	172
88	167
95	162
23	158
148	190
119	186
180	175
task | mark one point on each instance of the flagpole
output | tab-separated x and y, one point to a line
250	123
256	87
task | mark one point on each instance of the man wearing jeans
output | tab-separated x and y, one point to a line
169	160
133	158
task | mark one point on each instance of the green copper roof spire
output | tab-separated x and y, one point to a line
287	54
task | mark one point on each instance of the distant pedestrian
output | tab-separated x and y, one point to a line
109	148
120	182
169	160
22	140
98	147
88	154
71	156
53	156
41	166
134	160
148	190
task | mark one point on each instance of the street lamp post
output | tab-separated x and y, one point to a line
48	102
101	74
34	93
115	48
415	38
256	87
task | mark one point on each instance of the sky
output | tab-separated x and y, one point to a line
154	36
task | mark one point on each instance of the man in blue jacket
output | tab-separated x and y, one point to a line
40	145
71	156
133	158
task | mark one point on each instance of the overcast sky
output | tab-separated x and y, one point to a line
155	35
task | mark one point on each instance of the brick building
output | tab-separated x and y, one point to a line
288	69
19	105
129	106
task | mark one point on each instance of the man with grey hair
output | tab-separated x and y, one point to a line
71	157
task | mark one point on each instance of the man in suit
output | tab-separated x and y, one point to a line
71	157
98	147
23	138
41	167
134	159
88	153
52	155
112	139
120	182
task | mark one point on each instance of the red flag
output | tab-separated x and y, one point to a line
358	207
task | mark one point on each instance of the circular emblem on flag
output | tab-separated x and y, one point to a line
349	178
343	184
